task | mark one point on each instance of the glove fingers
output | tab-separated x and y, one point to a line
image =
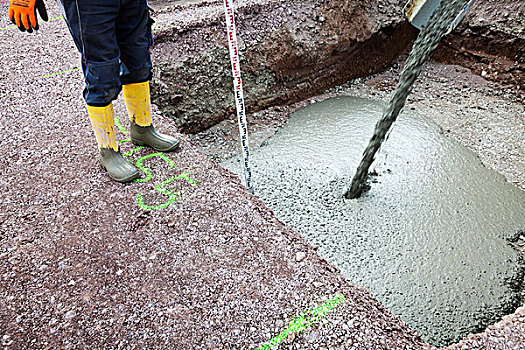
33	20
30	30
25	22
18	22
37	27
12	15
42	10
13	20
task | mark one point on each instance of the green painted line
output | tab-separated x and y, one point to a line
305	320
51	19
121	128
147	171
186	176
172	197
61	72
10	27
127	154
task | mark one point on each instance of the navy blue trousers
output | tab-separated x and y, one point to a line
113	37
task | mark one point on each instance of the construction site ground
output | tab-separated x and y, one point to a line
83	266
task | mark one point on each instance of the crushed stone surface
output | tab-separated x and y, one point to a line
82	266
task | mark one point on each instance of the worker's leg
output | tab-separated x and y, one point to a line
134	39
102	121
92	25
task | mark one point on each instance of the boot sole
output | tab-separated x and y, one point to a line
123	180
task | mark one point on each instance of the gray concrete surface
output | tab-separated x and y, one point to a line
430	239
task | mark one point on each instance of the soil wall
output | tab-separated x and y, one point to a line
491	42
289	51
294	50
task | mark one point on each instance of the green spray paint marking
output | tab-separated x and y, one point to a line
172	197
121	128
51	19
7	27
127	154
149	174
304	321
61	72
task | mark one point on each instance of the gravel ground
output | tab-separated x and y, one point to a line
82	266
506	334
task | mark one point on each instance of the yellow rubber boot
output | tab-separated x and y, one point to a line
142	132
110	158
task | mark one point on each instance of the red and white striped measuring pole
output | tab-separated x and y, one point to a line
239	96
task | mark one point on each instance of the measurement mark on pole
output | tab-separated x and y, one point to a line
239	96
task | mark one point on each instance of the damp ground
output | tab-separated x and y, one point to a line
431	239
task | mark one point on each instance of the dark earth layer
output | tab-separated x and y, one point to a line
290	51
491	42
297	49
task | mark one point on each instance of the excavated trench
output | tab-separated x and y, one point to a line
432	239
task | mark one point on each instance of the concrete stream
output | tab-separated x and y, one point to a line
431	237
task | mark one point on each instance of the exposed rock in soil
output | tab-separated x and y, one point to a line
289	51
491	42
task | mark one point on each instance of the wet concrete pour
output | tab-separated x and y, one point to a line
430	239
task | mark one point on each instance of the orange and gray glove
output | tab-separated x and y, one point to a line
23	13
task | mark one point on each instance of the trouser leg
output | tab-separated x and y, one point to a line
102	121
133	33
134	39
142	132
92	26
